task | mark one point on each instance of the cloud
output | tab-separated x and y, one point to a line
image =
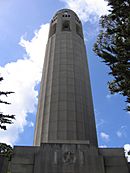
127	149
105	136
88	10
119	134
122	132
22	77
103	146
100	123
30	124
109	96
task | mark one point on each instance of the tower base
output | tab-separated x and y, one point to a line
68	158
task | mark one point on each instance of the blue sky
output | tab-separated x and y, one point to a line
24	29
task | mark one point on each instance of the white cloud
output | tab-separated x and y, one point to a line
88	10
109	96
127	149
22	77
100	123
105	136
122	132
30	124
119	134
103	146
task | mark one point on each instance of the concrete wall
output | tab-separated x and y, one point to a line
23	159
114	160
68	158
57	158
3	164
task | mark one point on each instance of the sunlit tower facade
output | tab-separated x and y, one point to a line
65	109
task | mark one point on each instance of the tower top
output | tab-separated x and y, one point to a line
65	20
62	11
66	13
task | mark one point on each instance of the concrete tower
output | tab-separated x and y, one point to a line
65	109
65	136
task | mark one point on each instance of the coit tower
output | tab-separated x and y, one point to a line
65	109
65	138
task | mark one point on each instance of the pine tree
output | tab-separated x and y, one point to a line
113	46
6	151
5	119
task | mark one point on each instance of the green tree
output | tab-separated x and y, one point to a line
6	151
5	119
113	46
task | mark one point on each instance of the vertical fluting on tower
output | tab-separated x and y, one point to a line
65	108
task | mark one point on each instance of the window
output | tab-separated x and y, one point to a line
66	15
52	30
66	26
77	20
79	31
66	12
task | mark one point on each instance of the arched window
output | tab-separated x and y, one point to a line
66	25
52	30
79	31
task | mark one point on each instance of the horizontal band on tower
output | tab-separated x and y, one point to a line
86	142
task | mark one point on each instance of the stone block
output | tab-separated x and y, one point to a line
21	168
62	115
112	151
3	164
117	169
23	159
114	161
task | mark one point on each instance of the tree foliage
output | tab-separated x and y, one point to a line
5	119
113	46
6	151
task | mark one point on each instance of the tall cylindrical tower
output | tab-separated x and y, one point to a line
65	109
65	134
